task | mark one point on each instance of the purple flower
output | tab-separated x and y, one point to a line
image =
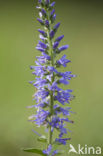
53	87
40	21
56	26
63	61
63	48
64	111
52	12
49	151
46	56
43	59
40	49
42	32
55	122
42	45
47	23
54	17
59	38
55	152
52	4
41	94
43	12
39	70
62	129
51	69
52	33
41	105
55	45
63	81
63	96
66	75
62	141
41	116
40	83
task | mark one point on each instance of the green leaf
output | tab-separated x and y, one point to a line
33	150
42	139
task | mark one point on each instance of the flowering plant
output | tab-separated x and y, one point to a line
49	114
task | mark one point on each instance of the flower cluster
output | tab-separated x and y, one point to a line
50	98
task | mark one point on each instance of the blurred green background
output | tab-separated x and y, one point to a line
82	25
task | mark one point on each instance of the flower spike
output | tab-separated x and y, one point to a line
50	99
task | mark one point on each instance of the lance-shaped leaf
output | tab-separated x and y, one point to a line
33	150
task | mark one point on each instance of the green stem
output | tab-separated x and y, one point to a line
50	133
51	92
